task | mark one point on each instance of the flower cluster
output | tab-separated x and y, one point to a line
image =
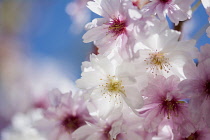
144	82
144	73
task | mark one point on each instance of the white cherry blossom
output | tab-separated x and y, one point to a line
163	54
110	84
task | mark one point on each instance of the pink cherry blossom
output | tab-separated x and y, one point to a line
197	88
107	129
114	30
198	135
63	117
164	104
201	132
176	10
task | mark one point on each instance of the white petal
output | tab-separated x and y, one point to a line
188	47
95	33
206	3
133	98
105	106
95	22
169	40
95	7
89	80
103	65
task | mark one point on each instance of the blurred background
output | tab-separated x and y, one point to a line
42	30
41	48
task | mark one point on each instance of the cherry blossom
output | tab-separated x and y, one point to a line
107	129
164	104
176	10
63	117
145	83
110	84
114	30
163	54
201	132
196	88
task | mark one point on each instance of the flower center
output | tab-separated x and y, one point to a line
164	1
113	86
193	136
71	123
135	3
170	106
158	61
117	27
207	87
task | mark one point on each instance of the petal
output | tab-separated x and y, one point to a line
65	136
89	80
149	9
176	14
95	34
160	11
133	98
206	3
95	22
55	97
95	7
190	70
83	132
103	103
168	41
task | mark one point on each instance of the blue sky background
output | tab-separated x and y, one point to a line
48	35
46	31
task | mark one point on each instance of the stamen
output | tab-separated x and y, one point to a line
207	88
117	27
158	61
165	1
113	87
171	106
71	123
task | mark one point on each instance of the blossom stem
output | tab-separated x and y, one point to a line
196	6
200	32
179	28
